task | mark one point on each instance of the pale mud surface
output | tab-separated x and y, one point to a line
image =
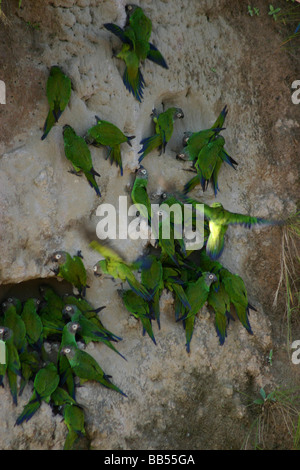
217	55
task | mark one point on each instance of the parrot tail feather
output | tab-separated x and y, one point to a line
190	185
134	85
92	181
129	138
149	144
29	410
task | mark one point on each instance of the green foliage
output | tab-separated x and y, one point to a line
278	409
253	10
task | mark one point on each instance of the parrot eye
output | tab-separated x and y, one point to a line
95	268
67	350
4	304
38	301
211	276
164	195
68	308
9	300
1	331
129	7
57	256
144	172
74	327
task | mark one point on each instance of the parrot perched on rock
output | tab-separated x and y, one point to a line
219	220
109	135
164	124
86	367
136	48
152	279
88	330
12	367
89	312
71	269
139	308
74	420
30	364
33	323
78	152
139	195
206	149
45	383
116	267
15	323
12	301
197	294
66	376
58	95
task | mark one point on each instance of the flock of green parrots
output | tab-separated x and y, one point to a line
193	282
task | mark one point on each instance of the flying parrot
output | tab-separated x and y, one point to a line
219	220
136	48
58	95
77	151
115	266
109	135
164	125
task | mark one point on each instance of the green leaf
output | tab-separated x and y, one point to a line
258	401
263	393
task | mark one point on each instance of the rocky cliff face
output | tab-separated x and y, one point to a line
217	55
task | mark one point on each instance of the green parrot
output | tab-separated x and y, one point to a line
5	334
13	301
116	267
152	279
77	151
86	367
197	294
106	133
15	323
13	365
51	312
205	164
74	420
45	383
165	241
220	302
236	290
33	323
71	269
173	283
88	330
66	376
30	364
136	48
195	141
139	308
219	220
200	148
89	312
58	95
164	124
139	195
60	397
